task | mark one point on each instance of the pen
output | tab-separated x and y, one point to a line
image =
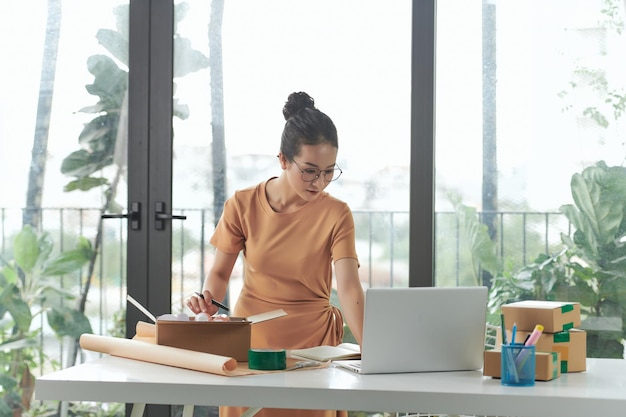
503	329
213	301
513	333
534	336
510	363
532	339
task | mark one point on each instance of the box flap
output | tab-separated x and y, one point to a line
543	304
257	318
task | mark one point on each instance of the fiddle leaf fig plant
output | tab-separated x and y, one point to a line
599	253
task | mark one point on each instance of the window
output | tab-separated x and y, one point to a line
339	53
529	95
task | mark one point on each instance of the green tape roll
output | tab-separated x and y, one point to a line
267	359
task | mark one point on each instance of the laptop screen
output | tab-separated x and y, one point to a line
423	329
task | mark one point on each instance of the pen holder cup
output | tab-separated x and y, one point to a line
518	365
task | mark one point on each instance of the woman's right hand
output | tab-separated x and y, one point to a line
202	304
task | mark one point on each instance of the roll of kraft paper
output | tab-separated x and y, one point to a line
163	355
144	329
145	332
267	359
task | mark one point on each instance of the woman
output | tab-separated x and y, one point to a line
291	233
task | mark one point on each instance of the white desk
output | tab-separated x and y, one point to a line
600	390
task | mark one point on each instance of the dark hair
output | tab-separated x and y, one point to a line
305	125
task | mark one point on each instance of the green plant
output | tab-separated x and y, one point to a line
591	268
28	289
475	236
119	324
542	279
599	250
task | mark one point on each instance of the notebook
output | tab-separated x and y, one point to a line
422	329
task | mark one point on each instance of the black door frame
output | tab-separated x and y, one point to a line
150	159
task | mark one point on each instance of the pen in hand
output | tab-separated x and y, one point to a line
213	301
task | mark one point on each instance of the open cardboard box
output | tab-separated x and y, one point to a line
225	338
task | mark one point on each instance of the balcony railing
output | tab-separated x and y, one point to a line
382	245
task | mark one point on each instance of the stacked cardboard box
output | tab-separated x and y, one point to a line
547	365
560	321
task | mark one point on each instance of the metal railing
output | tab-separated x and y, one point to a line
382	245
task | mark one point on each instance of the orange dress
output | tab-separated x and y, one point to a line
287	264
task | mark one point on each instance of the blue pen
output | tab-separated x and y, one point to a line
513	333
510	358
510	363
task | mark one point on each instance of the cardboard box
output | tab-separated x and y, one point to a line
225	338
555	316
571	344
547	365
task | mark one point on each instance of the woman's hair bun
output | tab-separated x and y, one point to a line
297	102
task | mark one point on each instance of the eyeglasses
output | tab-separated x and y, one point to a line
311	174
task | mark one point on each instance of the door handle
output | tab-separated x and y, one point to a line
134	215
160	216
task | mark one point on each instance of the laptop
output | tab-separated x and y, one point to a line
422	329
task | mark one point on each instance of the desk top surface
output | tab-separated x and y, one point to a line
112	379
